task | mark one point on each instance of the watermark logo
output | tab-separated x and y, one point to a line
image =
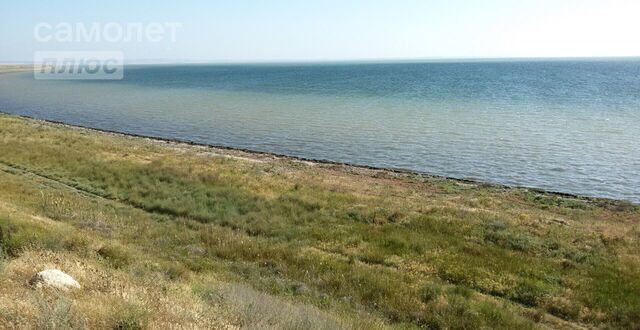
111	32
93	65
78	65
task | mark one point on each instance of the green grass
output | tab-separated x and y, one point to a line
398	250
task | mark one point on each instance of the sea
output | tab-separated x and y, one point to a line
570	126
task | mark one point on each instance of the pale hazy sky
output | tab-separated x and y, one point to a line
299	30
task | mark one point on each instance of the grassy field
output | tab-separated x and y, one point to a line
163	235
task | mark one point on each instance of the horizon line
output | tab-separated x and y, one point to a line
355	61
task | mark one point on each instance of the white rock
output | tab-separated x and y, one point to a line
56	279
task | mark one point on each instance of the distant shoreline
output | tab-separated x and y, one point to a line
249	153
4	68
29	65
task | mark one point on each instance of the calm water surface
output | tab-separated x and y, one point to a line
569	126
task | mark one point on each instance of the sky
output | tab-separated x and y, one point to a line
333	30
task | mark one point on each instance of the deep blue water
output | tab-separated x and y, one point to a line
569	126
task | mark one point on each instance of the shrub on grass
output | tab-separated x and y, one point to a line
18	235
461	291
429	292
129	317
116	256
508	239
372	257
174	271
3	254
456	309
3	259
459	274
528	293
255	310
57	312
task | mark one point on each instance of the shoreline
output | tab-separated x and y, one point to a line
394	171
339	245
7	68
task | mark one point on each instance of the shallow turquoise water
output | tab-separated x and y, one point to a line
569	126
